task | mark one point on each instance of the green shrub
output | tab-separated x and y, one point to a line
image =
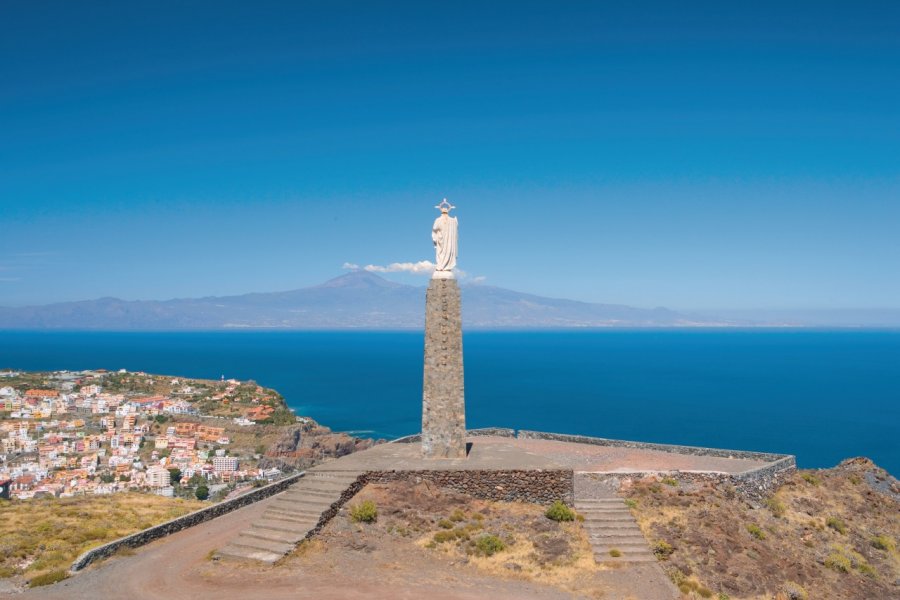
836	524
723	596
756	532
630	503
686	586
364	512
202	492
445	524
458	515
663	549
866	569
776	506
883	542
838	562
560	512
615	553
48	578
443	536
810	478
489	544
670	481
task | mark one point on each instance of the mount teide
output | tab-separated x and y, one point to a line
356	300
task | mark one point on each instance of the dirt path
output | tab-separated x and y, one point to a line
177	568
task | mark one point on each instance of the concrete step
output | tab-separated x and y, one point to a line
294	517
312	494
290	526
320	501
289	519
618	542
288	537
300	505
618	532
625	558
299	508
599	501
609	521
608	516
294	512
347	476
324	485
624	548
255	543
617	524
241	553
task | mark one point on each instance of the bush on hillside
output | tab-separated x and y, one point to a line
558	511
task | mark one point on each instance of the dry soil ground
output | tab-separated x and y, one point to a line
395	557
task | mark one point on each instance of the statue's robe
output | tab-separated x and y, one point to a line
443	234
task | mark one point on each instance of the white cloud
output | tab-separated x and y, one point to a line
479	279
423	267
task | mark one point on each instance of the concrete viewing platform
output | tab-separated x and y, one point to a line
492	452
501	464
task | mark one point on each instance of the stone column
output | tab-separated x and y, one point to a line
443	395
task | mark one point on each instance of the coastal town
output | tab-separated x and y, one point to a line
68	433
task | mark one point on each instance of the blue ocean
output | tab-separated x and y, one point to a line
821	395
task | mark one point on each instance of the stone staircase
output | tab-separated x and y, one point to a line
610	526
293	516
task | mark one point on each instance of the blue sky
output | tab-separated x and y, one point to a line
691	155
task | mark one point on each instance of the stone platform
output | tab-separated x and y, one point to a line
531	467
508	453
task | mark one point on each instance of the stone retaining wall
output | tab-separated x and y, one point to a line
538	487
146	536
755	485
673	448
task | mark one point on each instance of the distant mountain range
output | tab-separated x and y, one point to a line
363	300
358	299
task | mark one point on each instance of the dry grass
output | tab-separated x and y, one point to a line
815	533
44	535
522	557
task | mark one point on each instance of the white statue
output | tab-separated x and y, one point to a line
444	236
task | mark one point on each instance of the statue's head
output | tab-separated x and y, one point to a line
445	207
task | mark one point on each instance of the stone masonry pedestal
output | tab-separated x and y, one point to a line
443	395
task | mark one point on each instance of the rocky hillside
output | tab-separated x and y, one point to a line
302	446
829	533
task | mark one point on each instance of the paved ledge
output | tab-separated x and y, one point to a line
672	448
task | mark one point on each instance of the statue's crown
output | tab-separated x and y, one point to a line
445	207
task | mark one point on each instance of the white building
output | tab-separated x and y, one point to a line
225	464
158	477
